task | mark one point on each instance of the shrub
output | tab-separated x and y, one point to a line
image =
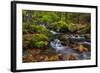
40	44
41	29
60	26
38	41
32	28
72	27
39	37
38	29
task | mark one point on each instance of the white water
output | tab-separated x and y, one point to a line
53	32
56	44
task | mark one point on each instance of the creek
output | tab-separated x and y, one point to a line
58	46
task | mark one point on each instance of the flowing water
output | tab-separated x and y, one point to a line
65	50
56	45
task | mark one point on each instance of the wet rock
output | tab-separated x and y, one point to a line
71	56
81	48
65	40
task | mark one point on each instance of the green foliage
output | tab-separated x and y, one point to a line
41	29
39	37
38	41
44	17
57	21
32	28
38	29
35	41
72	27
40	44
24	28
60	26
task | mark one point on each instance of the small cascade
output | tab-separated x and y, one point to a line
56	44
66	50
